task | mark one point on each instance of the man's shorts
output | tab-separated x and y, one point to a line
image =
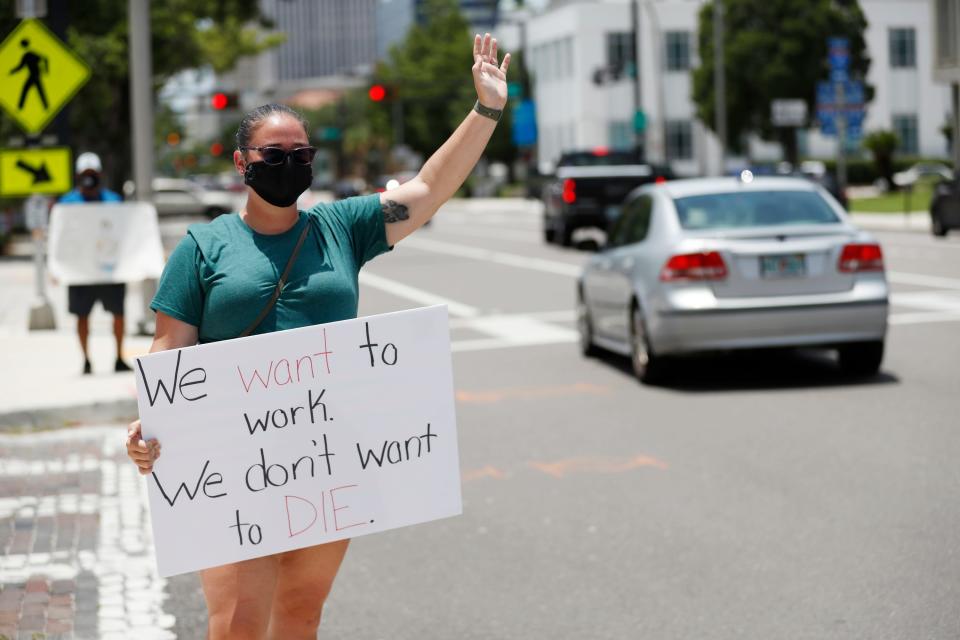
81	298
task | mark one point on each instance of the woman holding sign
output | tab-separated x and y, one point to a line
222	282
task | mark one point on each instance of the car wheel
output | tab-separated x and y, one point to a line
647	366
937	226
861	358
585	329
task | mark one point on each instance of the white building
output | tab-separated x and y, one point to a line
573	41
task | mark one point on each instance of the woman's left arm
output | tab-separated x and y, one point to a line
409	206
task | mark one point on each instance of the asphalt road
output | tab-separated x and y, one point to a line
758	496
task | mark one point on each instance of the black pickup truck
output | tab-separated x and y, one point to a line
588	189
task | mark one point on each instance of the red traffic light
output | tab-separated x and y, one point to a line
377	93
223	100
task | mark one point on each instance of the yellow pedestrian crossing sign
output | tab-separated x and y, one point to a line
40	75
27	171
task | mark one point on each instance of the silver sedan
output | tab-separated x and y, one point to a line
716	264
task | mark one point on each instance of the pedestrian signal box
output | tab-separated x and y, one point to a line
40	75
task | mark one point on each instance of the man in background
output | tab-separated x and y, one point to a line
82	297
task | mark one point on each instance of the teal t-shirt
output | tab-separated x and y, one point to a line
223	273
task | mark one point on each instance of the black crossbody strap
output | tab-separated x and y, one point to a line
283	280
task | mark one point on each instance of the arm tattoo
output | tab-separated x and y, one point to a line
393	211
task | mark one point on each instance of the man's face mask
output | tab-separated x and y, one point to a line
89	181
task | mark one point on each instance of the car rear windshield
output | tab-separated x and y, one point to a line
588	159
753	209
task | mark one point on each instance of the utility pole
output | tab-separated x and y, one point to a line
141	134
141	93
719	83
955	99
637	88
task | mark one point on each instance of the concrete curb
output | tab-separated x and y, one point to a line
27	421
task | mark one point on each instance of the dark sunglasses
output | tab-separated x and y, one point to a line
276	155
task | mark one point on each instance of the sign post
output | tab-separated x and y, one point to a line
43	74
839	58
41	311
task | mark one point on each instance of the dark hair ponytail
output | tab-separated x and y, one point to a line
253	119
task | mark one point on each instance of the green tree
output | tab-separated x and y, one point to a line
774	49
185	34
428	74
881	144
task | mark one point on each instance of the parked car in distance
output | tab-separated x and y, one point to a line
920	170
718	264
588	189
945	208
177	197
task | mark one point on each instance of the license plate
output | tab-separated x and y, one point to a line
783	266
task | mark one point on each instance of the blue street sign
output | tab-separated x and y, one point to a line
853	95
838	53
525	124
839	75
854	123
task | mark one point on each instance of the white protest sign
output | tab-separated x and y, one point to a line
97	242
301	437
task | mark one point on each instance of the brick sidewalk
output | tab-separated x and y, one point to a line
77	557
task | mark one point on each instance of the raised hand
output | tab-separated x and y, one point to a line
489	79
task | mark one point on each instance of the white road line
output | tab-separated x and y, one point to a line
512	235
928	300
923	317
509	259
923	280
401	290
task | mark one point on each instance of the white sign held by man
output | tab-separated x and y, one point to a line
296	438
102	243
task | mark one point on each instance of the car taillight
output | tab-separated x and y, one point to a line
861	257
660	180
569	191
708	265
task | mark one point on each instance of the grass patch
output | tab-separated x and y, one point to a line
894	201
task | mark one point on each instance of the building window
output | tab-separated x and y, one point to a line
903	48
620	52
905	126
620	134
678	50
679	140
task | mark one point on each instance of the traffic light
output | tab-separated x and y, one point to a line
221	100
377	93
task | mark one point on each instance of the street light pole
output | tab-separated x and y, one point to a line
719	83
955	99
637	87
141	95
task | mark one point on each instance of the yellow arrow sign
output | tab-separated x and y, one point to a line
26	171
40	75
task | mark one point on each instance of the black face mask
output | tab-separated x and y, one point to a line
278	184
89	181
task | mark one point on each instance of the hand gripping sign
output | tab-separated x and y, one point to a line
296	438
